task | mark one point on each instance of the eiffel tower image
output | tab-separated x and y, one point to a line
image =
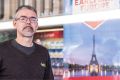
94	65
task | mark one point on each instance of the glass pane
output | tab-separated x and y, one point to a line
1	8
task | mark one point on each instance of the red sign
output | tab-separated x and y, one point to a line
95	78
51	34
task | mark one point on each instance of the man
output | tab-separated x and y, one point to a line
22	59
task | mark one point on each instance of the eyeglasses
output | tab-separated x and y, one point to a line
24	19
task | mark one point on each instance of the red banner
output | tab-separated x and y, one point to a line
95	78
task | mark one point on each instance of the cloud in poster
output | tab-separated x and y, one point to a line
68	6
79	43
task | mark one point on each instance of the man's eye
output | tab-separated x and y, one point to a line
33	19
22	18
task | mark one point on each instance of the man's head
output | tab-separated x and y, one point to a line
25	21
28	7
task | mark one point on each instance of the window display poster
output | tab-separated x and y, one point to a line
92	50
88	6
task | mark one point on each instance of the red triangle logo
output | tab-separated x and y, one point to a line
93	24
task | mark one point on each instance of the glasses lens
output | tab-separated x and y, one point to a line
33	19
24	19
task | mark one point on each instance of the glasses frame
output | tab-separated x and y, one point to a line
24	19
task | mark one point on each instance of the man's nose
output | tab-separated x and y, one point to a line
28	21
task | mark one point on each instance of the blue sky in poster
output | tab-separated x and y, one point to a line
68	6
78	41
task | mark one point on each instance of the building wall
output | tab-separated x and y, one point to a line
44	8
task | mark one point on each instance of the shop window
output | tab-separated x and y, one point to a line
1	9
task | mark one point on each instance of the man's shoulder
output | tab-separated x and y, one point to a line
43	50
40	46
5	43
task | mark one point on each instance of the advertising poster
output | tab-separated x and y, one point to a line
92	50
88	6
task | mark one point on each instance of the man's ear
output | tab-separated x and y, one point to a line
14	23
37	26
